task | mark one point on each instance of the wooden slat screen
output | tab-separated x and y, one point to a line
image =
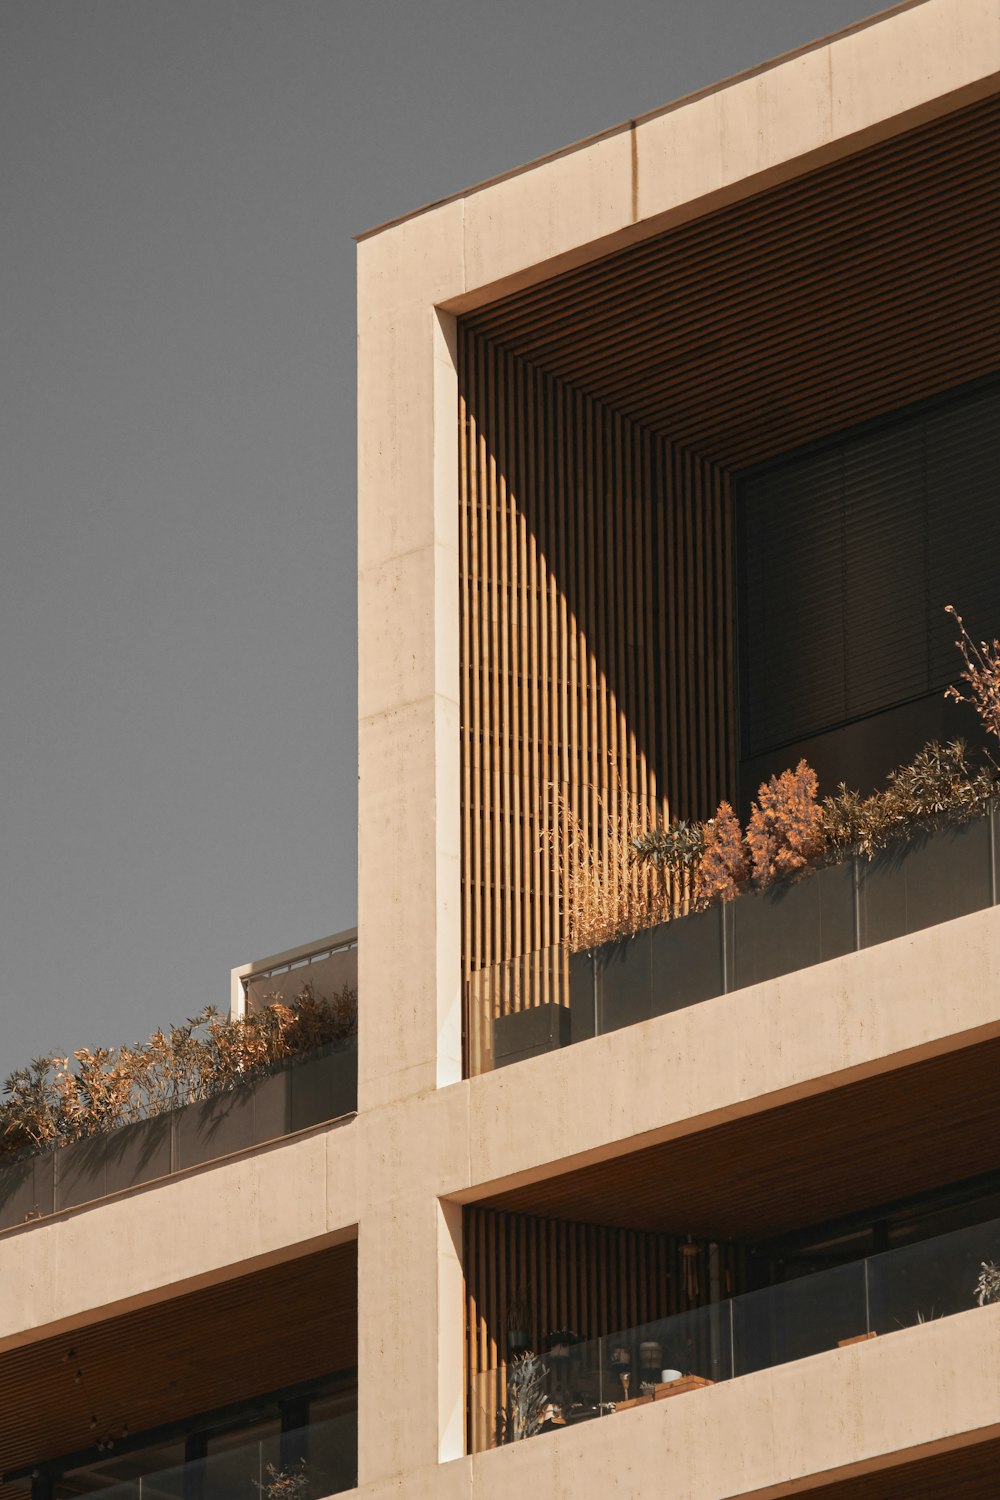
590	1278
596	643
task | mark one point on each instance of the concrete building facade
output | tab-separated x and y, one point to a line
576	383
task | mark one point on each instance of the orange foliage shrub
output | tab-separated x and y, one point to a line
724	865
56	1100
785	832
981	676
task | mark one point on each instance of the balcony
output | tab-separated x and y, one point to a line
548	1000
249	1379
306	1463
316	1087
574	1381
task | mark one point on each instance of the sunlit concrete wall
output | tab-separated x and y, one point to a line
414	277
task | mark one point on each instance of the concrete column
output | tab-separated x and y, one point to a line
409	956
410	1338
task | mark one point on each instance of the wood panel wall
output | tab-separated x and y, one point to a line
589	1278
596	647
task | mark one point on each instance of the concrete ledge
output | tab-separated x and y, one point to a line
213	1222
803	1034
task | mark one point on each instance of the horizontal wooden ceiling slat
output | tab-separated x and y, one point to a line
957	139
815	305
185	1355
797	1165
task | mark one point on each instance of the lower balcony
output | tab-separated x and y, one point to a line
240	1458
572	1380
245	1389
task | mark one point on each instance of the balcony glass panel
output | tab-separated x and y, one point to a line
933	1279
321	1459
577	1382
798	1318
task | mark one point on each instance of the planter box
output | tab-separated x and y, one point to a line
687	961
139	1153
305	1091
215	1127
530	1032
583	997
26	1190
930	878
624	981
793	925
322	1086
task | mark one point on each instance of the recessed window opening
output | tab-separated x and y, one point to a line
846	557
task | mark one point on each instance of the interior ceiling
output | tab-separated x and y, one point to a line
962	1474
224	1344
823	302
801	1164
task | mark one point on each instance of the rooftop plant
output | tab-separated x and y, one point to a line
56	1100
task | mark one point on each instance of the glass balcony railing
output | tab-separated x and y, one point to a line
306	1464
579	1381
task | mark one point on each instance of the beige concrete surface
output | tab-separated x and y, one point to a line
817	1029
189	1230
388	1170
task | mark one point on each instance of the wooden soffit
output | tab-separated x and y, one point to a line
803	1163
830	300
218	1346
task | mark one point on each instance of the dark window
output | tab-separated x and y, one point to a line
847	556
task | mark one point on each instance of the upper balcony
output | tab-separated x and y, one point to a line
716	490
189	1099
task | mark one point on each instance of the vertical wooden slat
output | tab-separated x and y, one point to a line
597	654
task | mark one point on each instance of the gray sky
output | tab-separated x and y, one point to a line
180	183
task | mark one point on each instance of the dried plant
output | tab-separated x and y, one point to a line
981	676
987	1288
608	893
56	1100
286	1484
725	866
527	1399
785	832
938	784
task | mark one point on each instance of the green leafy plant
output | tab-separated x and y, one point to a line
938	785
785	832
286	1484
678	847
